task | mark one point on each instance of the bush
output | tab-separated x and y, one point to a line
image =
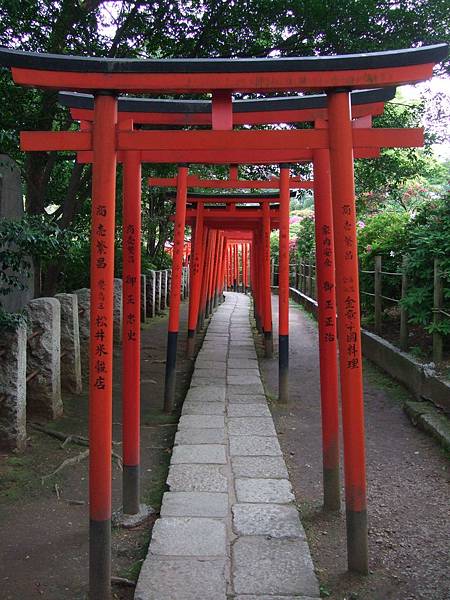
428	238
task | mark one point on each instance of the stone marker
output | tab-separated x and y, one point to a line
13	372
151	294
84	322
11	208
70	344
44	358
158	284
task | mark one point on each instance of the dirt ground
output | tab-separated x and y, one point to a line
44	526
407	474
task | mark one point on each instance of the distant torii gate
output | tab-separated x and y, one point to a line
337	75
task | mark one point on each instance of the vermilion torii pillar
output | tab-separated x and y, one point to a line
196	75
283	287
175	289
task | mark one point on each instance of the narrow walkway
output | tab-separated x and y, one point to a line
228	526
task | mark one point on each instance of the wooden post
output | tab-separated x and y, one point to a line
378	301
175	289
349	327
404	329
283	292
101	344
437	315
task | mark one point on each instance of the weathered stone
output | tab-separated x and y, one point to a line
199	454
13	372
164	289
181	579
194	435
273	566
151	294
264	597
264	490
44	358
195	504
246	388
11	208
188	536
84	322
158	287
143	298
244	379
70	344
203	408
197	478
248	410
117	310
210	393
274	520
254	446
247	399
272	467
202	421
251	426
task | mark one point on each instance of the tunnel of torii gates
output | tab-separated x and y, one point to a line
331	145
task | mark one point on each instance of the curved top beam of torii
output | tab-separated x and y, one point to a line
350	71
288	109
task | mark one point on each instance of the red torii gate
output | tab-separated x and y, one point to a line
337	75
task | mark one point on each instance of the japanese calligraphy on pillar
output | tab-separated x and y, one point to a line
101	322
327	296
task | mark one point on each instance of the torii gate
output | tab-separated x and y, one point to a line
337	75
363	103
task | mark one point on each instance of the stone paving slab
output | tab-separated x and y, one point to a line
272	566
251	426
203	408
264	490
194	435
248	410
202	421
211	454
195	504
157	581
259	467
253	445
197	478
274	520
229	528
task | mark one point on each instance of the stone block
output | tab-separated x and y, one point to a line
272	467
210	393
247	388
213	454
277	491
70	344
244	379
44	358
248	410
84	322
117	310
195	504
151	294
274	520
13	372
251	426
247	399
181	579
197	478
203	408
194	435
273	567
253	445
202	421
188	536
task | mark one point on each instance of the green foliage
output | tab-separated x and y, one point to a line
10	321
33	236
306	244
383	234
428	239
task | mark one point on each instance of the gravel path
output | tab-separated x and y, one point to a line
407	475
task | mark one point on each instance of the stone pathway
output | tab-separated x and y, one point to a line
229	527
